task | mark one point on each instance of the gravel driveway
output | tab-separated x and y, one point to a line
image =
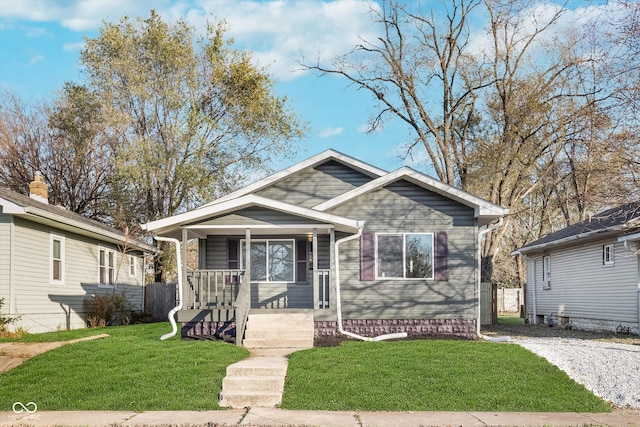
609	370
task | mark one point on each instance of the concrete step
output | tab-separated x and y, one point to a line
278	333
250	399
278	343
285	320
236	384
259	366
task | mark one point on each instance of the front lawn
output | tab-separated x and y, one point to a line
437	375
133	370
130	370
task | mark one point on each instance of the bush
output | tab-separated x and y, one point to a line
107	310
5	320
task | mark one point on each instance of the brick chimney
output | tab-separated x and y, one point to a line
38	189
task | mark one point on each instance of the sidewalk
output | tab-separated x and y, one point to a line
279	417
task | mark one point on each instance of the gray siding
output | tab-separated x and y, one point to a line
258	216
45	306
313	186
582	287
405	207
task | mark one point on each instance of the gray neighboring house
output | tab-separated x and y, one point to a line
587	275
401	247
52	259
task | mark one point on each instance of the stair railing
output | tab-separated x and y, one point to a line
242	306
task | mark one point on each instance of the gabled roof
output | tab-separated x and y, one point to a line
55	216
485	211
621	219
314	161
172	224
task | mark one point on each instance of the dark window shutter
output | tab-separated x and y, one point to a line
232	254
367	255
441	254
302	265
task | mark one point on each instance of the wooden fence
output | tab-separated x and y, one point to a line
159	299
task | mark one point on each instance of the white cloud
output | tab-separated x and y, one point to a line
73	47
279	33
330	132
35	59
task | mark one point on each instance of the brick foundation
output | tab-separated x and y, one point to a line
207	330
465	328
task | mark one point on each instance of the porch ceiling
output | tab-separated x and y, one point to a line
202	231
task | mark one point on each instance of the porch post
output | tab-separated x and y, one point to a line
247	253
316	291
332	268
183	255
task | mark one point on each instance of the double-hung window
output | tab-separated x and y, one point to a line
132	265
607	255
57	259
271	260
405	256
107	261
546	272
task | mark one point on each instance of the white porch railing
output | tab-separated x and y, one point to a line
324	289
212	289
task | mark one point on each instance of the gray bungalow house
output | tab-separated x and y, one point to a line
354	247
52	259
587	275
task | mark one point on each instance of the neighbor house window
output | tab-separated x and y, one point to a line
607	255
132	265
107	260
271	260
404	256
546	272
57	259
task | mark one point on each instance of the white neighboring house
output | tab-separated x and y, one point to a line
51	259
587	275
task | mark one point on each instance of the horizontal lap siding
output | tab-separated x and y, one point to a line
405	207
582	287
258	216
313	186
33	292
5	258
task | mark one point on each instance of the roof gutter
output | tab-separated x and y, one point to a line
338	299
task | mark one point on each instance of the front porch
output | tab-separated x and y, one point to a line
264	269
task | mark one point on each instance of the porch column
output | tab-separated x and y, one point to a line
316	291
183	255
247	255
332	268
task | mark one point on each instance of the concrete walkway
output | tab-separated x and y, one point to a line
267	417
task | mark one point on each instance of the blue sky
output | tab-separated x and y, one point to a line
40	41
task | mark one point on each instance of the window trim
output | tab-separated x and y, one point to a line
107	251
404	256
267	241
53	237
608	261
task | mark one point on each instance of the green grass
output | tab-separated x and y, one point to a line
130	370
436	375
133	370
510	319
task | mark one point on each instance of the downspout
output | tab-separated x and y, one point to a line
533	291
338	299
481	234
174	327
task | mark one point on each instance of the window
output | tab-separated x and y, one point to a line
607	255
546	272
404	256
57	260
132	265
107	266
271	260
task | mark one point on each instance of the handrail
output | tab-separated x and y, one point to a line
242	306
